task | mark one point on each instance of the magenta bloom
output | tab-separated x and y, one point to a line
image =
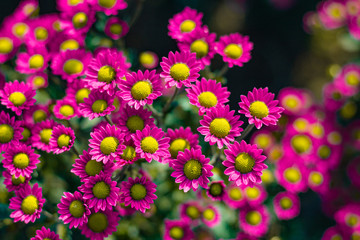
348	80
36	114
354	27
38	80
138	192
234	197
319	179
65	6
192	169
177	229
65	109
140	88
17	96
216	190
332	13
10	131
235	49
349	217
73	209
244	163
13	183
97	105
106	70
77	20
42	134
255	221
106	143
77	91
148	59
10	46
294	101
255	195
185	24
211	216
85	167
20	160
62	139
191	212
286	205
260	107
27	204
335	232
115	28
180	69
151	144
108	7
100	192
220	126
35	60
207	95
45	234
64	42
129	155
100	224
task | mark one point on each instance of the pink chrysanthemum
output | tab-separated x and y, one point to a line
109	7
65	109
216	190
73	209
17	96
260	107
332	97
97	105
40	32
235	49
148	59
349	217
13	183
78	20
220	126
332	13
263	139
129	155
185	24
318	179
71	64
234	197
180	69
64	42
255	221
9	46
335	232
100	192
38	80
67	5
62	139
42	134
294	101
177	229
77	91
348	80
85	167
36	114
106	70
192	169
45	234
32	61
151	144
191	212
286	205
244	163
131	120
27	204
10	131
20	160
138	192
254	195
211	216
116	28
207	95
100	224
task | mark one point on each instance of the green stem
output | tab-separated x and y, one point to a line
168	104
245	132
223	70
108	119
138	10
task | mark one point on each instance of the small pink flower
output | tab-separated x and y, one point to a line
42	134
177	229
116	28
216	190
96	105
10	131
286	205
255	221
234	197
13	183
332	13
191	212
185	24
62	139
211	216
32	61
38	80
77	20
65	109
45	234
108	7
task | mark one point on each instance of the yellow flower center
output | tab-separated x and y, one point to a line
348	110
99	106
107	3
317	130
29	204
149	145
109	145
291	102
335	138
352	220
216	189
138	191
200	47
17	181
252	193
81	94
233	51
135	123
285	203
179	71
17	98
259	109
316	178
6	45
39	116
66	110
253	218
116	29
267	177
45	135
41	33
352	78
76	208
336	95
106	74
98	222
187	26
301	143
93	167
335	11
235	194
63	140
301	124
244	163
292	175
74	2
209	214
207	99
146	58
324	151
73	66
192	169
101	190
262	140
6	133
178	145
38	81
20	29
80	20
26	134
193	212
176	233
21	160
36	61
220	127
141	90
129	153
70	44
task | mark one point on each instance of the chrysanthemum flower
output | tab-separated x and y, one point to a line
13	183
254	195
148	59
124	210
10	131
192	169
216	190
220	126
100	224
290	174
335	232
27	204
255	221
100	192
332	13
73	209
42	133
318	179
109	7
97	105
40	32
106	143
21	160
138	192
191	212
294	101
78	20
36	114
286	205
38	80
235	49
260	107
71	64
348	80
116	28
234	197
263	139
64	42
177	229
131	120
17	27
129	155
62	139
65	6
211	216
349	217
32	61
140	88
151	144
45	234
77	91
207	95
180	69
332	97
17	96
85	167
8	46
65	109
